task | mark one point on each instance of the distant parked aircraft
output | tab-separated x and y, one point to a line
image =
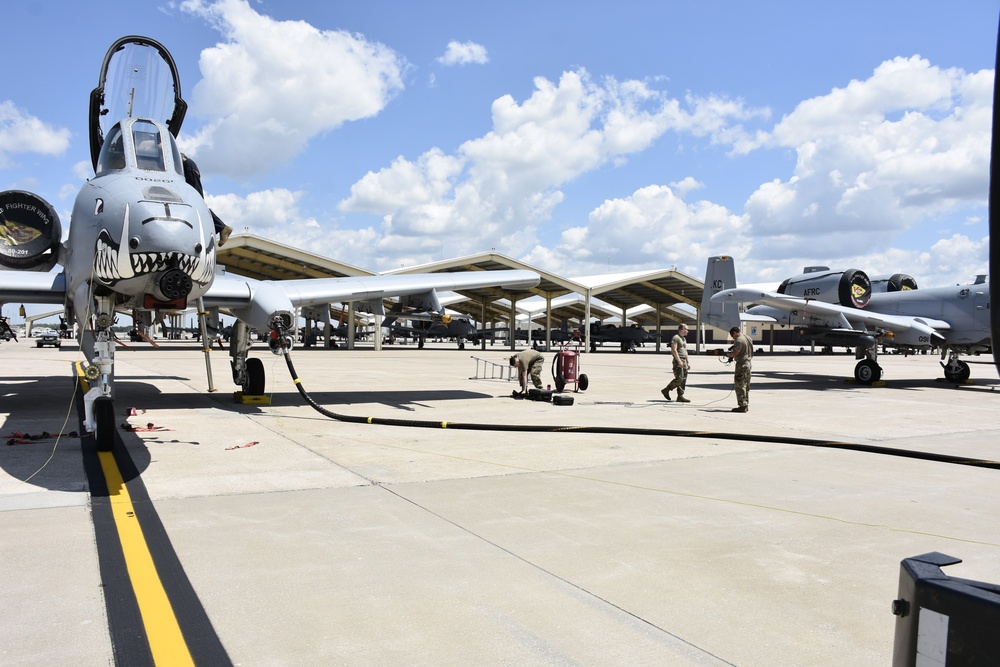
841	308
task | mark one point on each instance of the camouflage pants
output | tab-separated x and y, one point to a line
535	371
680	380
741	379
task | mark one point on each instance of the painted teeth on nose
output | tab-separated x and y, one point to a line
104	261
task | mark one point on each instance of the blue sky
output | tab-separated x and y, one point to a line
581	137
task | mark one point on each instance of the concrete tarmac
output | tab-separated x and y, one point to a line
310	541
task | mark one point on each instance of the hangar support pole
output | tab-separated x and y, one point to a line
548	322
350	326
482	323
513	324
659	327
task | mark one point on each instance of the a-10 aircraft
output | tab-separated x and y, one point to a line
142	238
441	326
848	308
628	337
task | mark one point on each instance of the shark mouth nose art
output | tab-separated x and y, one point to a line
114	261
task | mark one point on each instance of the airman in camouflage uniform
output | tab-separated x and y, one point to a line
678	348
742	354
528	362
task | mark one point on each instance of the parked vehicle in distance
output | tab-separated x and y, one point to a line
48	338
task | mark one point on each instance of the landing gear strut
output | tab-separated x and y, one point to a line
248	372
99	411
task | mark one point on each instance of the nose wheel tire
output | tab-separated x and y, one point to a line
104	418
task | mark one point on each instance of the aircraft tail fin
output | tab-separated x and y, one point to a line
720	274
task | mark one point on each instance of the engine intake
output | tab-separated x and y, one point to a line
850	288
897	282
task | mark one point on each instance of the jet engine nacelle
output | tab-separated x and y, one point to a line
850	288
30	232
897	282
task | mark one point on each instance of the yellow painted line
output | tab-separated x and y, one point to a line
82	376
166	642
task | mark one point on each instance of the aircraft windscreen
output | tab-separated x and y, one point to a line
139	83
148	149
112	153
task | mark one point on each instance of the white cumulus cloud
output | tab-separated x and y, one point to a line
464	53
20	132
271	86
874	159
497	190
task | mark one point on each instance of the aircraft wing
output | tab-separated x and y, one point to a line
32	287
253	301
849	316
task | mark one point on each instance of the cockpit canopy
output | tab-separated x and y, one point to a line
141	144
138	80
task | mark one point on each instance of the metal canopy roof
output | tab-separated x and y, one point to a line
261	259
658	289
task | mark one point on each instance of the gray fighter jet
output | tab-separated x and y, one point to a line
842	308
141	237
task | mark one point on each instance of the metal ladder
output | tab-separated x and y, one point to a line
493	370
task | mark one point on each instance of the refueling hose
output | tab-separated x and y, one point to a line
621	430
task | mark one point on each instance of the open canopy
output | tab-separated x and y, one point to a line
138	80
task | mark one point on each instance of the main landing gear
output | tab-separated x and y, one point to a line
955	370
248	372
867	372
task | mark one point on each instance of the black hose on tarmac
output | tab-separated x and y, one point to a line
620	430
